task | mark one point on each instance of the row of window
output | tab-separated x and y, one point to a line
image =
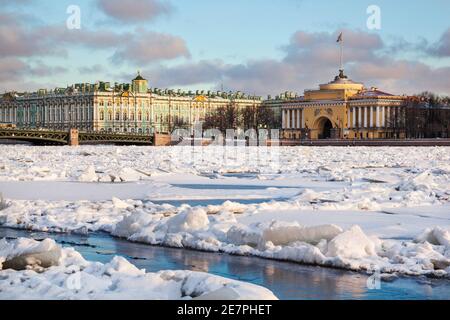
131	117
28	115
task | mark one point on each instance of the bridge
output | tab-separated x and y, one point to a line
74	137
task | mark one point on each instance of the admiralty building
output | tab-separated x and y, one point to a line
341	109
132	108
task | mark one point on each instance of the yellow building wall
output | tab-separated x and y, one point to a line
315	115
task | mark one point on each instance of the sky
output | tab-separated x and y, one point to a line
256	46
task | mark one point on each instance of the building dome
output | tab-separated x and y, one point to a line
342	82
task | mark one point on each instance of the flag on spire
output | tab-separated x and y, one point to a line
340	38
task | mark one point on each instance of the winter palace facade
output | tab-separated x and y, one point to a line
122	108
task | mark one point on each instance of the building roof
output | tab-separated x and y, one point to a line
139	77
341	82
374	92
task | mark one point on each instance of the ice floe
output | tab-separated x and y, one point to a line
64	274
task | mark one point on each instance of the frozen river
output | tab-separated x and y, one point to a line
286	280
355	209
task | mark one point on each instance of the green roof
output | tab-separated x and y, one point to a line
139	77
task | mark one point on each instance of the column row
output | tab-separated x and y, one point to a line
293	119
371	117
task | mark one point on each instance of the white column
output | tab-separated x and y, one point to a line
354	117
365	117
293	120
288	126
359	116
377	115
371	116
388	117
287	119
283	119
303	118
298	119
394	115
383	117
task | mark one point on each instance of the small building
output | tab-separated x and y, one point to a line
343	109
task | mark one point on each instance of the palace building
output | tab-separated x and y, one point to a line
342	109
132	108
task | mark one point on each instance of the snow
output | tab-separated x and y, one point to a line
72	277
360	209
352	244
28	254
285	233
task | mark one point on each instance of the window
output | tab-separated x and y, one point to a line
125	116
102	115
110	115
117	116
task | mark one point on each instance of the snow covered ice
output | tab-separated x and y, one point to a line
362	209
64	274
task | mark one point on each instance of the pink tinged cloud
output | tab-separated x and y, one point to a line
134	11
150	47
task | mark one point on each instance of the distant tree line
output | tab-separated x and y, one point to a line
252	117
428	116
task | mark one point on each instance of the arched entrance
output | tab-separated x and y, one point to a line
324	127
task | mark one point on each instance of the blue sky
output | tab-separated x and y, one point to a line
251	45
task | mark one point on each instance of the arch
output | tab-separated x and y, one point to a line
324	126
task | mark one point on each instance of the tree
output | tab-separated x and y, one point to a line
428	116
266	118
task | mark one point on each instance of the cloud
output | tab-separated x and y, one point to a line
310	59
61	37
139	47
134	11
17	41
442	47
41	69
188	74
12	69
149	47
95	69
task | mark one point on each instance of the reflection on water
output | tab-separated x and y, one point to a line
286	280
